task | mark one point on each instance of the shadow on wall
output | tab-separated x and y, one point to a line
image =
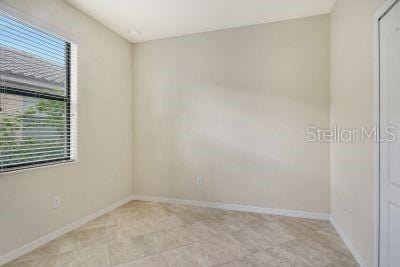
232	106
234	138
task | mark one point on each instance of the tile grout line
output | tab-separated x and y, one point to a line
165	260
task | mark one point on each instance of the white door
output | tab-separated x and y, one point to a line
390	151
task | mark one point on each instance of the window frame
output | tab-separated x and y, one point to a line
71	157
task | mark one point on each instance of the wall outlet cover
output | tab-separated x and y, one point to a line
56	202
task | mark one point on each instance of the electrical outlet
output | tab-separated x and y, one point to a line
56	202
199	180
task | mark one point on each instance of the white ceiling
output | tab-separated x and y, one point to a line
156	19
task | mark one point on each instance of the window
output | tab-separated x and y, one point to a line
37	97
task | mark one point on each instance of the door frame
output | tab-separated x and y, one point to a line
380	13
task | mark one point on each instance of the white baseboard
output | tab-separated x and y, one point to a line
225	206
348	243
12	255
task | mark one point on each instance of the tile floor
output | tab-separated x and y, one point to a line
153	234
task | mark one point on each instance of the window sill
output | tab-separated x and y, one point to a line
39	167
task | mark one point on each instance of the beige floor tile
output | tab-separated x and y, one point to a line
264	235
131	205
172	238
48	250
244	219
251	241
161	223
135	248
153	212
126	230
298	254
332	236
68	242
192	255
187	217
206	229
129	209
124	217
40	262
224	249
136	233
176	208
345	262
193	214
91	237
211	214
330	229
272	217
296	227
156	260
96	223
259	259
316	224
327	246
211	252
96	256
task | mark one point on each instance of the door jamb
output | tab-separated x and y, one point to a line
382	11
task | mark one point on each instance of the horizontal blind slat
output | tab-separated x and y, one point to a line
17	156
29	161
26	28
32	149
31	37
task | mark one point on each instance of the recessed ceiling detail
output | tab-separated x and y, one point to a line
156	19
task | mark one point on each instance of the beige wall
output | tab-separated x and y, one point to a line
351	107
103	173
232	106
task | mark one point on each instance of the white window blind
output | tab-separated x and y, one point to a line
38	101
